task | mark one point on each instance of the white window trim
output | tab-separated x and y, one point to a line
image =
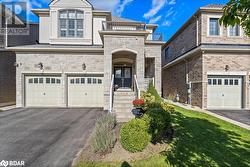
59	29
208	26
240	33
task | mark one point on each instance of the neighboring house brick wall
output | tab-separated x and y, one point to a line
185	41
56	64
175	80
7	77
223	38
235	61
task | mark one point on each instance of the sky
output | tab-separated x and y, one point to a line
170	15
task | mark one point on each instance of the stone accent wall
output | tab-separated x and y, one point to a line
115	44
154	51
237	62
7	78
57	63
175	80
224	38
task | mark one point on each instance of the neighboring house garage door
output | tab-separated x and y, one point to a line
224	92
43	91
85	91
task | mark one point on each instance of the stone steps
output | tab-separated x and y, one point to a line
123	105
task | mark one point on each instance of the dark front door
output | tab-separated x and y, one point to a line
123	77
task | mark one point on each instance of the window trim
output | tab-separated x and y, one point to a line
67	24
208	26
228	32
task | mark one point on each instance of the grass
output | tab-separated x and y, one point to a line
199	140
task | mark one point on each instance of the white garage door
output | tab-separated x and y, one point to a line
224	92
43	91
85	91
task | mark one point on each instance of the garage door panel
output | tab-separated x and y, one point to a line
224	92
43	91
85	92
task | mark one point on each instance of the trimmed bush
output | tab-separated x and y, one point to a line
167	107
134	135
158	121
104	138
153	92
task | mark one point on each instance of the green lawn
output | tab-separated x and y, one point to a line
199	140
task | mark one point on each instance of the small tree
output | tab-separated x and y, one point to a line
153	92
237	12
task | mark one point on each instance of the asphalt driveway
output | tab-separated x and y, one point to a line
242	116
45	137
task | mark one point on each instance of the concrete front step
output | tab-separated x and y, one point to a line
124	116
124	93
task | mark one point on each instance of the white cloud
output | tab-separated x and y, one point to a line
115	6
107	5
157	5
122	6
172	2
155	19
170	12
167	23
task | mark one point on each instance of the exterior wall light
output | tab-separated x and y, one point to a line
84	66
227	67
40	65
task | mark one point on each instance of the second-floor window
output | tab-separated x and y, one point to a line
214	27
71	23
234	31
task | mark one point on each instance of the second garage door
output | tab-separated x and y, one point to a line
85	91
224	92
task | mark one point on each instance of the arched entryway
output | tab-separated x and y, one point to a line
124	69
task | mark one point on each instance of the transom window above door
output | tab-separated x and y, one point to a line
71	23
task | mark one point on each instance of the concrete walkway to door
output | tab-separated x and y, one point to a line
45	137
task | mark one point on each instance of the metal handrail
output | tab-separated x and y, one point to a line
138	91
111	93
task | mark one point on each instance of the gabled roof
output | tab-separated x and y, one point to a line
120	19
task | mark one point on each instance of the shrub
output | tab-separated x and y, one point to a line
134	135
158	121
148	99
103	138
153	92
167	107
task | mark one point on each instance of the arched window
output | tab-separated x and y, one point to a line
71	23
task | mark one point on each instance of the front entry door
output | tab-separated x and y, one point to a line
123	77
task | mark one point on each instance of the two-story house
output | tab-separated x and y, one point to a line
8	58
207	64
87	58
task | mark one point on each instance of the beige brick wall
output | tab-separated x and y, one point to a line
223	38
7	77
61	63
237	62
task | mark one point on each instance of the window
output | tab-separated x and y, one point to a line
214	81
30	80
71	23
99	81
82	80
219	81
234	31
214	27
36	80
167	53
48	80
231	82
72	81
53	80
209	82
89	80
78	81
226	82
40	80
58	81
236	82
